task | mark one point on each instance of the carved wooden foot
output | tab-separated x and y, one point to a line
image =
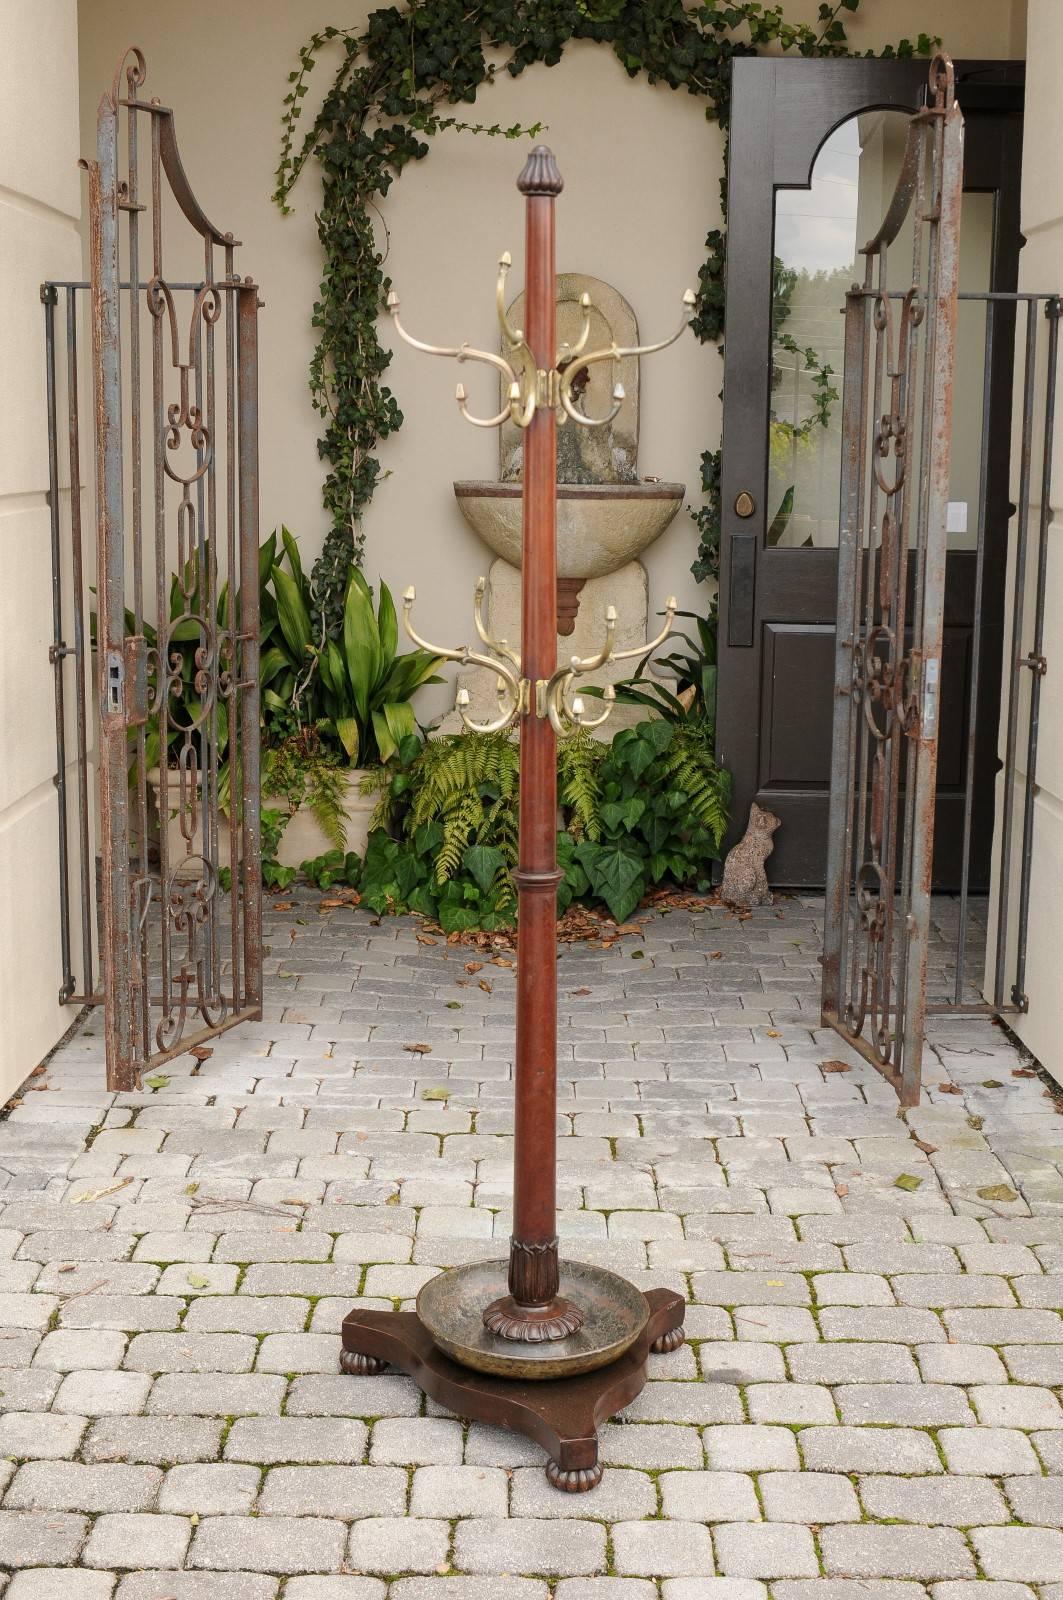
359	1365
667	1342
576	1481
562	1415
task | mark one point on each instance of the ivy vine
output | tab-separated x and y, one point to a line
395	79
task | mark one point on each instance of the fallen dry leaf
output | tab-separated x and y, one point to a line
202	1052
418	1049
841	1190
486	987
835	1066
580	992
283	905
715	955
908	1182
997	1191
927	1149
1023	1072
501	961
949	1088
89	1195
772	1033
474	966
425	938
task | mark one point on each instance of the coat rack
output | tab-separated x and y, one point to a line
547	1349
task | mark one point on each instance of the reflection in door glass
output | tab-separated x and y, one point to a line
818	235
818	232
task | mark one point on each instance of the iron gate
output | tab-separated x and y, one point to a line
896	431
174	624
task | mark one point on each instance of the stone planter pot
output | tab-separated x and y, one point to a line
303	838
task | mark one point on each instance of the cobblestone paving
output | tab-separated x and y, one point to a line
869	1404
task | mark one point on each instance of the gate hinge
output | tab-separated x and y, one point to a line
1036	664
1020	999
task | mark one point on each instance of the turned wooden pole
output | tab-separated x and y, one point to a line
532	1310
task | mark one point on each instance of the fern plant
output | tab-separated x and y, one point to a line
688	766
649	809
579	760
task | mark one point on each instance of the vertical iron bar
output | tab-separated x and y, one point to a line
941	339
976	653
232	623
850	551
1015	668
162	597
114	794
87	852
142	1023
49	296
1035	660
247	666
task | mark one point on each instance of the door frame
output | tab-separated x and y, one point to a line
777	130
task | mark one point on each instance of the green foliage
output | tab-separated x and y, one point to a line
693	669
272	824
388	95
661	815
301	772
650	808
707	518
367	686
334	867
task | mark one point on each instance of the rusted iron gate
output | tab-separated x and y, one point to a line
899	371
162	660
896	433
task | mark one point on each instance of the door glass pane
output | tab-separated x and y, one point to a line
818	234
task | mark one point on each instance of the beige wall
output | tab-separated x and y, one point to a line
1041	267
40	204
642	166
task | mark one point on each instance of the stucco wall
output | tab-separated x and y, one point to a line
642	168
40	205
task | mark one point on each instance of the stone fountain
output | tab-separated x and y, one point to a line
606	514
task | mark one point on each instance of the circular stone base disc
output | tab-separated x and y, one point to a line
451	1307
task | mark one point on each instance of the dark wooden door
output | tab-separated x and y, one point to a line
809	179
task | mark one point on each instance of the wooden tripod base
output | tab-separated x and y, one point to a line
563	1415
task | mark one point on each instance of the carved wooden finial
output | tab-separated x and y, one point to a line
540	174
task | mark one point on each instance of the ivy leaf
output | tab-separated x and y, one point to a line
484	862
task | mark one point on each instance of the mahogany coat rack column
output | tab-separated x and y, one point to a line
549	1349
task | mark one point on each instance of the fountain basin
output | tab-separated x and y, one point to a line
600	526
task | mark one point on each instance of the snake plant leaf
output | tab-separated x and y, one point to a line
409	672
291	550
272	662
347	730
388	627
361	646
330	665
294	617
267	558
398	714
